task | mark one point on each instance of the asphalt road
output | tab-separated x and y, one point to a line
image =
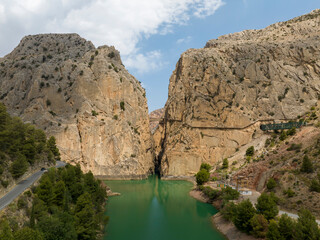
23	185
292	215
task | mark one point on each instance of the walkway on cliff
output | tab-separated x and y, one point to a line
22	186
222	127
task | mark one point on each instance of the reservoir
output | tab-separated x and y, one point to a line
153	209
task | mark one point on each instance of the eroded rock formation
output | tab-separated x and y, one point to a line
219	95
85	98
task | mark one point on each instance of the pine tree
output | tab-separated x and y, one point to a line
202	176
53	147
225	163
286	226
259	226
306	227
307	166
19	166
267	206
84	215
45	191
273	231
58	192
245	211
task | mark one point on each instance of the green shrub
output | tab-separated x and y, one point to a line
271	184
291	131
295	147
283	135
228	211
94	113
290	193
259	226
115	117
286	226
4	183
48	102
22	203
52	146
225	163
306	227
229	194
122	106
267	206
205	166
250	151
273	231
244	212
307	165
212	194
19	166
111	55
315	186
202	176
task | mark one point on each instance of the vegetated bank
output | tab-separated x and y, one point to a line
23	150
66	203
290	156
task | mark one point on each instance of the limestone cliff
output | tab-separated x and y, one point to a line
85	98
219	95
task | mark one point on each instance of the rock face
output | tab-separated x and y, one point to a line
155	117
219	95
85	98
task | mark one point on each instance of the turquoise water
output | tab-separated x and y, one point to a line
153	209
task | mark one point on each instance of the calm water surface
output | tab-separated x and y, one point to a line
153	209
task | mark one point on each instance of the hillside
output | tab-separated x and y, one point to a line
219	95
84	97
288	158
23	150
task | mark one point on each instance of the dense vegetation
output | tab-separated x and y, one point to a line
67	204
225	194
262	221
22	146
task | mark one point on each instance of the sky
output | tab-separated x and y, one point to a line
150	34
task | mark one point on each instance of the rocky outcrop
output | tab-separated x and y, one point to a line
219	95
85	98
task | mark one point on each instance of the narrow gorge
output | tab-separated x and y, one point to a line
218	97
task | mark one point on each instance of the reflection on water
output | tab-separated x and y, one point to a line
155	209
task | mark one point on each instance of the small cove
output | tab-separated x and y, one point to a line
155	209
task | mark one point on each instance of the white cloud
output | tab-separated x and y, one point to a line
2	14
142	63
184	40
122	23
